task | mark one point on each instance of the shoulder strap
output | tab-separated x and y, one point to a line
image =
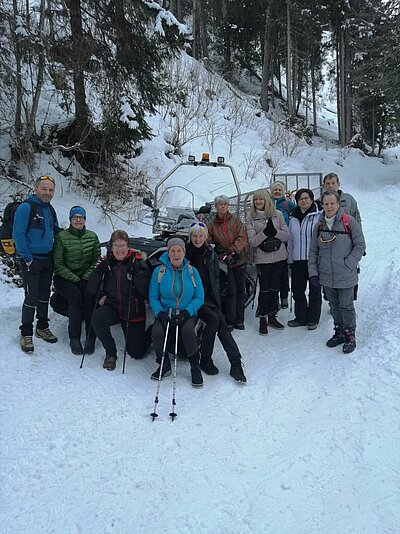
346	224
33	210
192	275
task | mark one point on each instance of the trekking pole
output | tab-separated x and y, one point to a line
96	303
155	414
173	413
291	300
127	324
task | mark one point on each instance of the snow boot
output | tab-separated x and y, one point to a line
26	343
312	326
76	346
197	379
350	340
240	326
337	338
89	345
166	370
273	321
236	371
109	362
46	334
284	303
207	365
263	328
294	323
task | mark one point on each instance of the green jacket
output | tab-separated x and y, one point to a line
75	254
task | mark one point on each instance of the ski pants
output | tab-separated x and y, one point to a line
80	306
187	333
269	275
342	306
305	312
136	338
284	281
235	300
215	322
37	282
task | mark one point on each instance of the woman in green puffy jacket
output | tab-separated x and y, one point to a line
76	252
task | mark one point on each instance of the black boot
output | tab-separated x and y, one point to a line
337	338
89	345
76	346
350	340
207	365
166	370
197	379
236	371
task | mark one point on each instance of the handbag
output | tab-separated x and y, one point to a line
270	244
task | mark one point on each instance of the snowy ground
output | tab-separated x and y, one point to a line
309	445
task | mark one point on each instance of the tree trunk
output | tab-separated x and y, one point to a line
288	62
314	98
266	70
18	75
226	32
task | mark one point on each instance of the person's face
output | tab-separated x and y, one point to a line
176	255
78	222
198	240
120	249
332	183
259	203
278	192
44	190
222	208
304	201
330	205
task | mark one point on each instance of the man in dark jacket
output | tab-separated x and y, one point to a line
34	245
204	259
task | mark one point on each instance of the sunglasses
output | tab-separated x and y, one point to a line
45	177
198	224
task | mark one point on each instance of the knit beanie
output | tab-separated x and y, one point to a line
77	210
177	241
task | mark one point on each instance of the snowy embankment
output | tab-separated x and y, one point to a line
309	445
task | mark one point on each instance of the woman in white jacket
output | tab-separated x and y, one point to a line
301	225
266	222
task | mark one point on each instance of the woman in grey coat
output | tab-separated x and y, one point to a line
336	248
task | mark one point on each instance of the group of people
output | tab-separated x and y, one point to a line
321	245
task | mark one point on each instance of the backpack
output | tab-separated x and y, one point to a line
346	226
163	268
6	230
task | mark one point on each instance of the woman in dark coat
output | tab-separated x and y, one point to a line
202	256
337	246
123	278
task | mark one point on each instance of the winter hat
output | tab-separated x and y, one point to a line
77	210
275	185
177	241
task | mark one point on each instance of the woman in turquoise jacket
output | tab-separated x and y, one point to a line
175	296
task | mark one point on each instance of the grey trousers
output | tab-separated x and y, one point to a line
342	306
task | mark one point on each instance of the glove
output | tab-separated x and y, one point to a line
270	229
163	318
231	259
314	281
180	320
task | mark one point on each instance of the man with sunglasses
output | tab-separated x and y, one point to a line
34	239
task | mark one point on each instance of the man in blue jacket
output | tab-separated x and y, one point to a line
34	239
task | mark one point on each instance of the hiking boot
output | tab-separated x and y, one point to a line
284	303
89	346
239	326
209	367
26	343
350	340
76	346
165	372
337	338
237	373
110	362
46	334
273	321
295	323
312	326
263	328
197	379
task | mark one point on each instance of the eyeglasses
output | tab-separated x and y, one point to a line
46	177
198	224
78	218
119	247
327	240
302	199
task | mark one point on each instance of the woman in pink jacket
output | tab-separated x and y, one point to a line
267	233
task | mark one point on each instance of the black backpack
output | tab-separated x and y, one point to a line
6	230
